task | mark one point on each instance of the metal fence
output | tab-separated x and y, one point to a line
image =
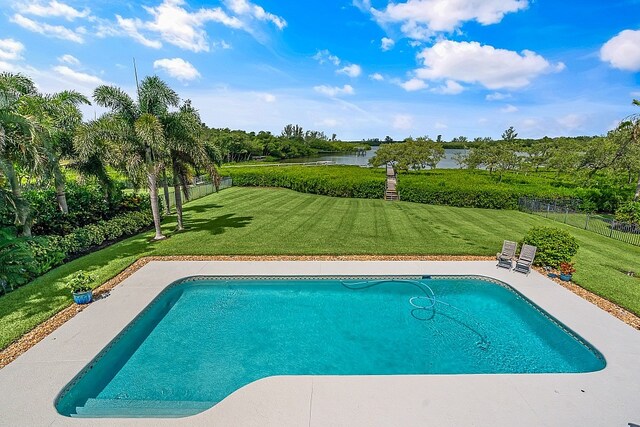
568	212
200	189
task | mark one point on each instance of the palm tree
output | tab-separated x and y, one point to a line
636	138
58	115
19	142
183	130
131	136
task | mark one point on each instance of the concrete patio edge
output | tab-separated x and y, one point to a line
607	397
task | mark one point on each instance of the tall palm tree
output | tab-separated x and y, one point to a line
58	116
186	148
20	137
635	119
131	136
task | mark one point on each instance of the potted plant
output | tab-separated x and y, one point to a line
79	284
566	271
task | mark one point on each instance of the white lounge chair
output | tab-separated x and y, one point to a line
505	258
527	254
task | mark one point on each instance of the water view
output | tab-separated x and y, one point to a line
362	159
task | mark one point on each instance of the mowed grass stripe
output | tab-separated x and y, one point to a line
265	221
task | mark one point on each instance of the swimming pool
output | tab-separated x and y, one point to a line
205	337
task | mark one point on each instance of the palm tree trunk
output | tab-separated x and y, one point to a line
22	214
177	191
152	179
165	187
61	195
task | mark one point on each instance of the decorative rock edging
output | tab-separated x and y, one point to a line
37	334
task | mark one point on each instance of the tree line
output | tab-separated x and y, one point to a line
293	141
614	157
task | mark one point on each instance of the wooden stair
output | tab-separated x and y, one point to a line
391	192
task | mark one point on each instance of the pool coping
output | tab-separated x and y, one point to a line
606	397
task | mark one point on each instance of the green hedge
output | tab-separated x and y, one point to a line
475	189
87	205
48	252
337	181
452	187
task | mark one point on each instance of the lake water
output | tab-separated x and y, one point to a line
363	160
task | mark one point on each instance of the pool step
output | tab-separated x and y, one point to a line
123	408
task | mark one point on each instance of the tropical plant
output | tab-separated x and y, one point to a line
80	282
187	149
567	268
14	261
58	116
131	136
20	146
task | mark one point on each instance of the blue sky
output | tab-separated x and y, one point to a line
360	68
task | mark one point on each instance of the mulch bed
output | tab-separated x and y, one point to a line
37	334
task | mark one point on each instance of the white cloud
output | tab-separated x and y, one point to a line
623	51
324	55
177	68
509	109
244	7
52	9
221	45
422	19
130	27
174	24
440	125
353	70
387	44
10	49
571	121
77	76
450	88
56	31
69	59
334	91
267	97
376	76
413	85
497	96
402	122
471	62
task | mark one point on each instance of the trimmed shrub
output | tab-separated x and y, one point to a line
87	205
337	181
83	239
22	260
554	245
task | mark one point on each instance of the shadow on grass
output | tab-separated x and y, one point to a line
201	208
219	224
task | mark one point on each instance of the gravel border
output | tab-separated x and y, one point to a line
37	334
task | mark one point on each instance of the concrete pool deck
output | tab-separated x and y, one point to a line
610	397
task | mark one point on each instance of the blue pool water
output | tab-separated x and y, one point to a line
201	340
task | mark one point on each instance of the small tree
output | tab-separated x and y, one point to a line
509	134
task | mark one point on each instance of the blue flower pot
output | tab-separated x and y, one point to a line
83	297
565	277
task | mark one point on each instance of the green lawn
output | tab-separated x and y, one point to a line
264	221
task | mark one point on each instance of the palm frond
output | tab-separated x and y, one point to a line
155	96
117	100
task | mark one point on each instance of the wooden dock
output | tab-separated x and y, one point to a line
391	192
